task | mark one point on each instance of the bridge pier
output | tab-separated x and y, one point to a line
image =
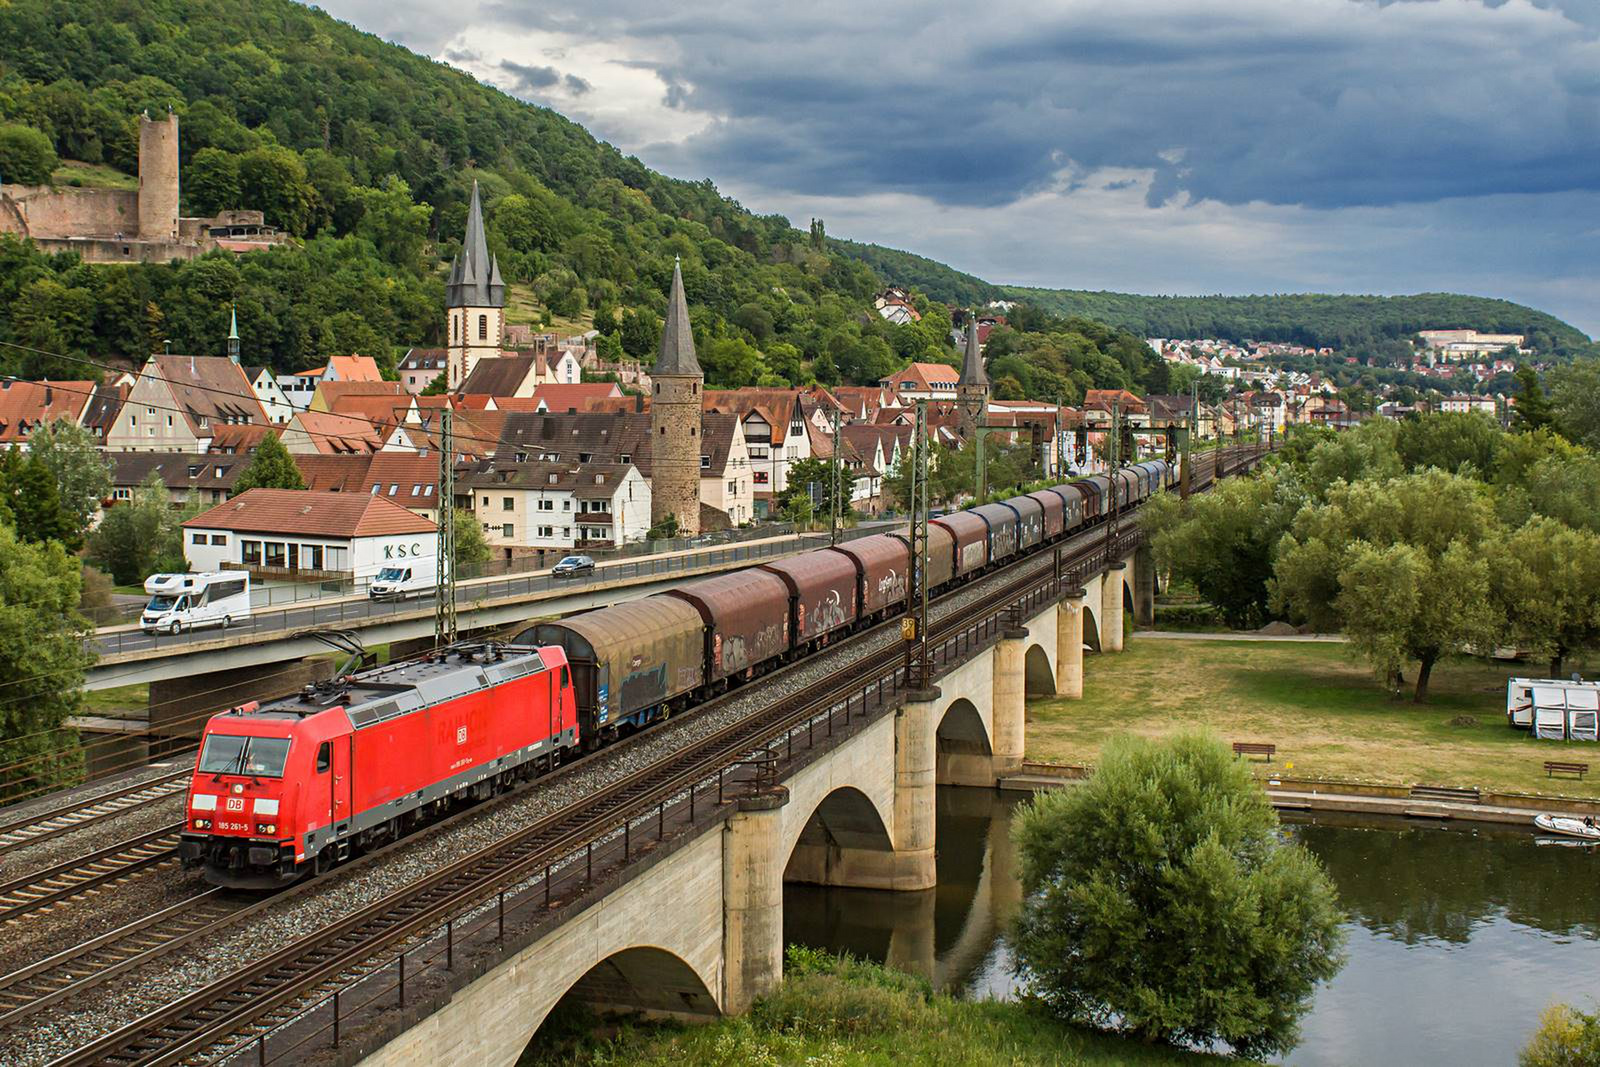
1111	608
1010	701
911	864
752	900
1144	587
1069	646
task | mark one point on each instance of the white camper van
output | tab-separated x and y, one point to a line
1553	709
181	602
398	582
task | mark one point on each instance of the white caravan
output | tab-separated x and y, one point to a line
181	602
1554	709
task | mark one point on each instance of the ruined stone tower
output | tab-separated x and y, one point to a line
675	419
475	299
158	177
972	388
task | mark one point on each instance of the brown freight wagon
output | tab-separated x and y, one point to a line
1055	512
745	616
823	588
882	564
941	554
1030	521
971	536
628	660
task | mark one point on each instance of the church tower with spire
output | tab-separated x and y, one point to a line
675	419
475	297
972	388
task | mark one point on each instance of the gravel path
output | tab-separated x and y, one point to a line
349	890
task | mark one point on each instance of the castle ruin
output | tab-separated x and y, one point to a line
127	225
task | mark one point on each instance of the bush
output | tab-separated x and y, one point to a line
839	995
1187	616
1162	903
1566	1038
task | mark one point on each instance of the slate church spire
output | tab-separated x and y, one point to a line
972	388
476	299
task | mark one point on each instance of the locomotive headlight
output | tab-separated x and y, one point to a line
238	787
202	824
266	828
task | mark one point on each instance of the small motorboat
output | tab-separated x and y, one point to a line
1567	825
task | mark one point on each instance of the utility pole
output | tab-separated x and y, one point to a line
914	625
444	591
1111	472
836	478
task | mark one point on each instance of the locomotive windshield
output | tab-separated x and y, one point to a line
262	757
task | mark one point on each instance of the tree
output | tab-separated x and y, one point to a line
395	226
1398	565
471	548
272	467
1452	441
1532	410
809	490
730	363
1575	400
139	537
1566	1037
1225	541
43	656
272	180
211	181
1566	488
26	156
82	474
33	501
1161	901
1546	580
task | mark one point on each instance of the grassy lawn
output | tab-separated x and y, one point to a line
859	1014
92	176
116	702
1323	709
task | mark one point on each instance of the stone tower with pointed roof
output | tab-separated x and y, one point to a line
675	419
972	388
475	297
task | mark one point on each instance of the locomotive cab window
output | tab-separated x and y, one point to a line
324	756
563	677
260	757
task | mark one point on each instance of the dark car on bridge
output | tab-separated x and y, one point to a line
572	566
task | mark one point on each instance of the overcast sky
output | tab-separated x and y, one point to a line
1156	146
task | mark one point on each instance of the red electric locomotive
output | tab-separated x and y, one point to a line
295	785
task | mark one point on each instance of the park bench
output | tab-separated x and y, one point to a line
1554	767
1254	748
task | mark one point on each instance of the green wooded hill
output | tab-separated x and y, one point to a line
366	153
1304	318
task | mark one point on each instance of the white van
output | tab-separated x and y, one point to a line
181	602
400	582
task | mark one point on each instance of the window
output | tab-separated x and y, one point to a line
705	463
169	421
427	490
416	489
133	420
663	431
250	551
324	756
483	327
546	505
508	530
276	554
733	487
566	531
566	505
625	458
311	556
122	494
338	558
375	488
485	501
508	503
197	539
394	487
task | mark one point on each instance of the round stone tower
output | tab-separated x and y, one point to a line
158	177
675	420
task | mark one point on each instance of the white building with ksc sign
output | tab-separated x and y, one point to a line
299	534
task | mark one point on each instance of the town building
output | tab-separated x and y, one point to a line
972	387
296	534
1463	403
192	404
476	301
923	381
188	477
540	506
25	406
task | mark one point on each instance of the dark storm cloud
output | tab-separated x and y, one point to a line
528	79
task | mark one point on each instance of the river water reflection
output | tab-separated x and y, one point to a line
1458	937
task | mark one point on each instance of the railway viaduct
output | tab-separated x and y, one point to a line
696	929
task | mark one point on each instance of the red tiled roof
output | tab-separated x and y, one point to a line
301	511
578	395
333	474
238	437
24	405
355	369
332	433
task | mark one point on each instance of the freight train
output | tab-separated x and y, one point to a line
295	785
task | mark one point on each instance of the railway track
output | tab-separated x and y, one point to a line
81	874
79	813
265	994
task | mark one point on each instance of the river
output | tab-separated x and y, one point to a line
1458	937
